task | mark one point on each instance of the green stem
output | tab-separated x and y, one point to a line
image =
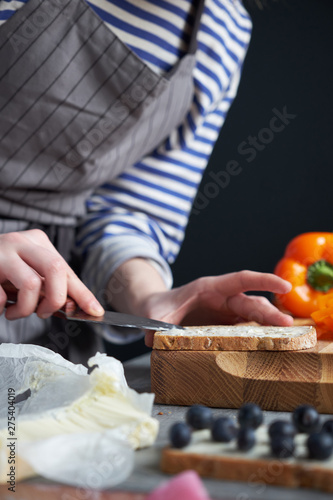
320	276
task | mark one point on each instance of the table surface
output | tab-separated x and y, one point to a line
147	475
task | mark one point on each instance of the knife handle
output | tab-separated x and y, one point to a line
11	291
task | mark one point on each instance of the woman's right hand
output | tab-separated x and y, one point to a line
29	261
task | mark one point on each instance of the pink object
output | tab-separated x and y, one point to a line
185	486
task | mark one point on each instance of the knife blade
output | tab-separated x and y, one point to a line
71	311
120	319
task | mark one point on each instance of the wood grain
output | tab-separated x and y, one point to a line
276	381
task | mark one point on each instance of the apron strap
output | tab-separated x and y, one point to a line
199	8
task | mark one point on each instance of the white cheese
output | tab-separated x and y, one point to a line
240	331
66	402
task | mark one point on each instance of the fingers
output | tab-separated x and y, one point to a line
60	281
20	274
30	261
237	307
3	298
29	283
245	281
53	269
83	296
253	308
149	338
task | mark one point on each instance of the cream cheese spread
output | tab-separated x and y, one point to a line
240	331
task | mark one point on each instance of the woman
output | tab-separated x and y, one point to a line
109	112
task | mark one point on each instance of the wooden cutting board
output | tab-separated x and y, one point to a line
275	380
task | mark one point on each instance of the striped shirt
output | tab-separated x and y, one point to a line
144	211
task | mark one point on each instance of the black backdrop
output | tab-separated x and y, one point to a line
286	189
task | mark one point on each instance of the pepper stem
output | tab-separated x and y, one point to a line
320	276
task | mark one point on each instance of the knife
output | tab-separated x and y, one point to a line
70	310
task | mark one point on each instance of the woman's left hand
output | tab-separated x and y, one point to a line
219	300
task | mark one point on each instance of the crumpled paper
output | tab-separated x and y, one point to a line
75	428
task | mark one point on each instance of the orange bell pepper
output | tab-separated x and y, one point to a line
324	316
308	265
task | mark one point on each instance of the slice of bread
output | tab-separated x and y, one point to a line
243	337
258	465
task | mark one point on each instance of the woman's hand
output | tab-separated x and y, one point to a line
138	288
29	261
219	300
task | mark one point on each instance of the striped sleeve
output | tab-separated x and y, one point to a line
144	212
8	8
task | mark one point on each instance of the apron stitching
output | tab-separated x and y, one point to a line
61	131
21	23
116	128
34	73
55	109
92	127
35	40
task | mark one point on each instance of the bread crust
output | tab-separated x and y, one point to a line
188	342
270	471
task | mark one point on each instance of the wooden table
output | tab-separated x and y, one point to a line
146	475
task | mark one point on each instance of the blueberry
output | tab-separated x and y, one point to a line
282	428
246	438
180	435
320	445
282	446
224	430
250	415
306	418
328	427
199	417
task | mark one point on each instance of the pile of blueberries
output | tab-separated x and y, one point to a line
305	419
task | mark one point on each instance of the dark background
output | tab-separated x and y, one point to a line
287	188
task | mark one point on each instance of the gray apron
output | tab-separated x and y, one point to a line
77	108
